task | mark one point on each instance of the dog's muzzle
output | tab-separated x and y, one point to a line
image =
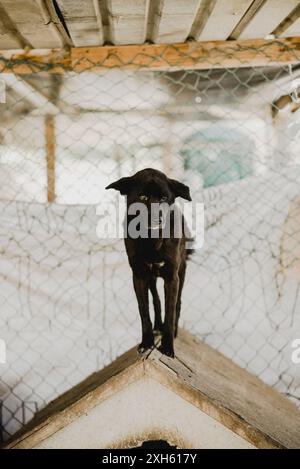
157	224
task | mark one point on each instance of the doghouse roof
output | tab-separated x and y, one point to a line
55	24
155	397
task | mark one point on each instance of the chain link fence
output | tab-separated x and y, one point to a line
67	303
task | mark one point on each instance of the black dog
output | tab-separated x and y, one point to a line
156	255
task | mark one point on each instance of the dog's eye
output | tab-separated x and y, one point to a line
143	197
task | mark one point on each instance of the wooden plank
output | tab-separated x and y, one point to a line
35	23
290	25
172	21
10	37
204	12
73	403
223	19
293	29
245	20
189	55
267	18
128	21
8	40
200	375
83	20
50	144
262	415
34	61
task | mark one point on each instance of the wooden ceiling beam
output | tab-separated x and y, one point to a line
170	21
36	24
217	19
288	23
254	8
199	23
127	21
263	19
83	20
183	56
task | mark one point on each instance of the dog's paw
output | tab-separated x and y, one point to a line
144	346
167	349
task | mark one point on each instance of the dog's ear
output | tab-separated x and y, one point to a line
122	185
179	189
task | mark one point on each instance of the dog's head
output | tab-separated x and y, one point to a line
151	187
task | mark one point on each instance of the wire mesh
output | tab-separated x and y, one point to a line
67	303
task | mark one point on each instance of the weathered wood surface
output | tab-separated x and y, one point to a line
35	61
43	24
127	21
267	18
230	394
199	374
171	21
35	22
78	400
83	20
10	37
218	19
189	55
290	26
293	29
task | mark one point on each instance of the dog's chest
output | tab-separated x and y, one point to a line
155	267
151	250
152	253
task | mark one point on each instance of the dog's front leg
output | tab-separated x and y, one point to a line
141	289
171	292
